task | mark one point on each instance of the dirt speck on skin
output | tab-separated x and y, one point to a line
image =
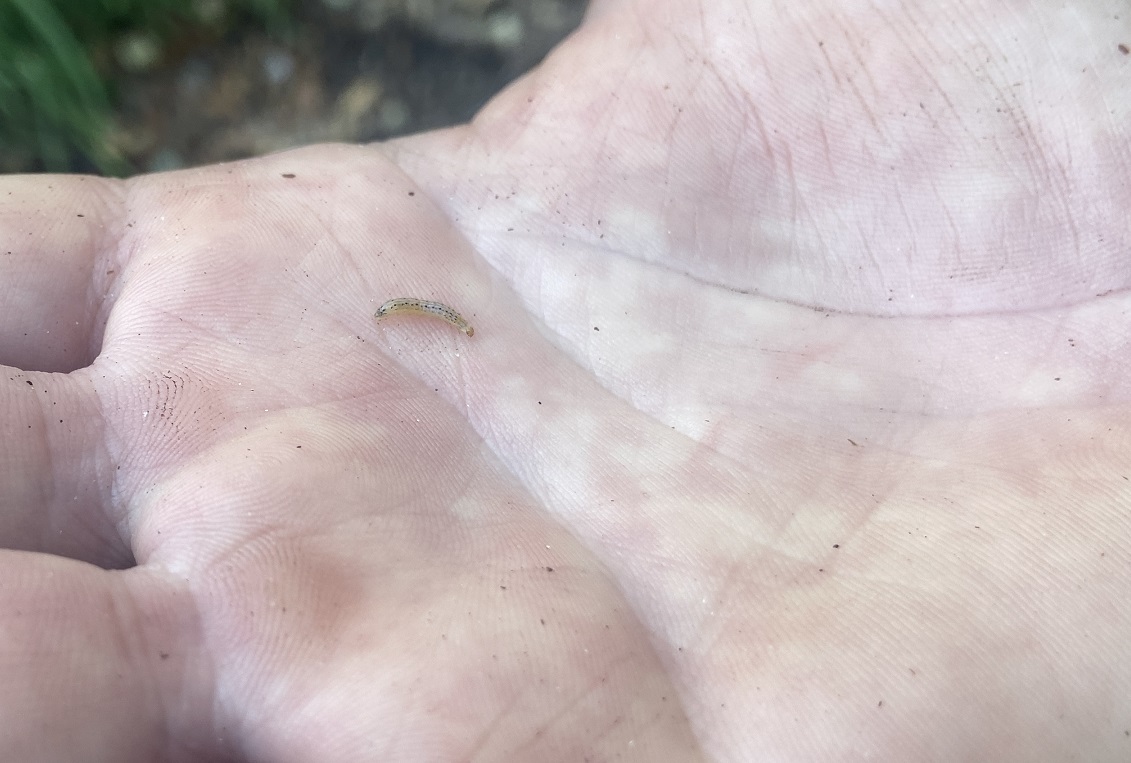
353	71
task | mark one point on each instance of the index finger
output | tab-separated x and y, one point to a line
57	249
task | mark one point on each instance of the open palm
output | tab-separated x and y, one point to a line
794	425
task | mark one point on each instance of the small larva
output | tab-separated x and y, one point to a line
413	306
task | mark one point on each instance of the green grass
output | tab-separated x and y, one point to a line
54	98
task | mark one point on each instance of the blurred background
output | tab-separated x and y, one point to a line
118	87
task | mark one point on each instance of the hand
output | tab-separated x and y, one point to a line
793	427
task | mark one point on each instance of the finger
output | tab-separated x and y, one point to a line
55	477
98	666
57	239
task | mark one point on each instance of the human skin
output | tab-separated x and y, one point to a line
794	426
